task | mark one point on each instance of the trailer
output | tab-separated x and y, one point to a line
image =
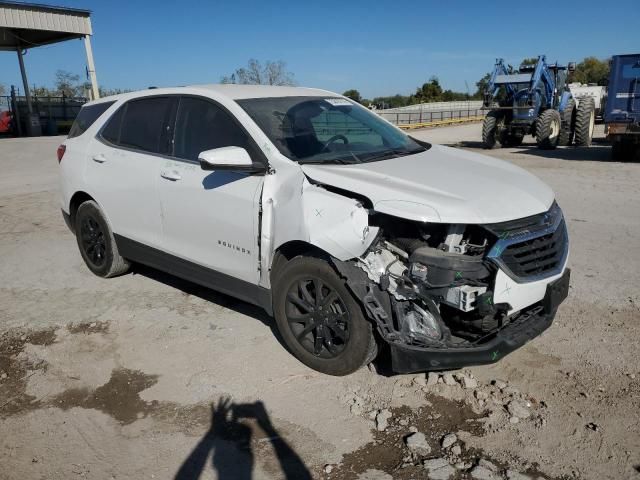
622	112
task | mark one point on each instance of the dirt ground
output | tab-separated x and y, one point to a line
147	376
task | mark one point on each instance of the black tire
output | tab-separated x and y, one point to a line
585	121
326	331
491	129
548	126
96	242
567	128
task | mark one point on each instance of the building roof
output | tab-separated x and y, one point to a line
28	25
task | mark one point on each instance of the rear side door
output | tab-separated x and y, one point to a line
210	217
123	167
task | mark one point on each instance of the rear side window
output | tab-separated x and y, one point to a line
139	124
111	131
87	117
202	125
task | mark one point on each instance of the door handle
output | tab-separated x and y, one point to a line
170	175
99	158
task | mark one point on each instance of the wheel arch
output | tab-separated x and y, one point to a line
292	249
77	199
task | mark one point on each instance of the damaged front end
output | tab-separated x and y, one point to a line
430	288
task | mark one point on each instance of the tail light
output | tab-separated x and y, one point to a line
61	150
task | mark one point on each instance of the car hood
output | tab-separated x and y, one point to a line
442	184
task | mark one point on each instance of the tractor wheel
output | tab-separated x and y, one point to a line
585	121
491	129
548	126
567	128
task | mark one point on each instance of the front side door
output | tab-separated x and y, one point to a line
123	165
209	217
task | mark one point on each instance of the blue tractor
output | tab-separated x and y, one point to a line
535	100
622	113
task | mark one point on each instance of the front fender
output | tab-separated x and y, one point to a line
336	224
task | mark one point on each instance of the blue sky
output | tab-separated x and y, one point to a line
377	47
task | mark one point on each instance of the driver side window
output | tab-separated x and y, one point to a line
202	125
335	121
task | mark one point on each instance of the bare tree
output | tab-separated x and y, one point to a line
2	89
67	84
271	73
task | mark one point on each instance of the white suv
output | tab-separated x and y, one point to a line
348	231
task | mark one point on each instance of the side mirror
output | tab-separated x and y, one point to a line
234	159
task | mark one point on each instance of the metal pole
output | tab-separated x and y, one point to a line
91	68
25	83
16	112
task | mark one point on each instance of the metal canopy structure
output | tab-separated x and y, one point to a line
29	25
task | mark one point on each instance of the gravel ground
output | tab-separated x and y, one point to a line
147	376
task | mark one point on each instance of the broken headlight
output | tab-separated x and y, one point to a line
417	322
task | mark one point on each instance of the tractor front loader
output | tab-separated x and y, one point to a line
535	100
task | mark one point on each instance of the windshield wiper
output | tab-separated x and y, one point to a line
340	160
381	156
392	153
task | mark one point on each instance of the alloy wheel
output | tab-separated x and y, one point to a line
318	317
93	241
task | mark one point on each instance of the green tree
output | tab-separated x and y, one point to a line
393	101
481	86
591	70
529	61
354	95
429	92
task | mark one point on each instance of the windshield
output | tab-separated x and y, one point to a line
327	130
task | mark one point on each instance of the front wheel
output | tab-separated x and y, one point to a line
320	321
491	129
548	129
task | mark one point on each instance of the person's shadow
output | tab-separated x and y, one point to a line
230	441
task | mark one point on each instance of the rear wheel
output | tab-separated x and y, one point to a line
319	319
567	127
491	127
548	129
96	242
585	122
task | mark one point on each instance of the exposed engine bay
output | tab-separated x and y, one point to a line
429	284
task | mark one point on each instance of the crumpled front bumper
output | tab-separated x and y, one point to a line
408	359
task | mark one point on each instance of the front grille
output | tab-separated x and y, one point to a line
538	256
531	248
